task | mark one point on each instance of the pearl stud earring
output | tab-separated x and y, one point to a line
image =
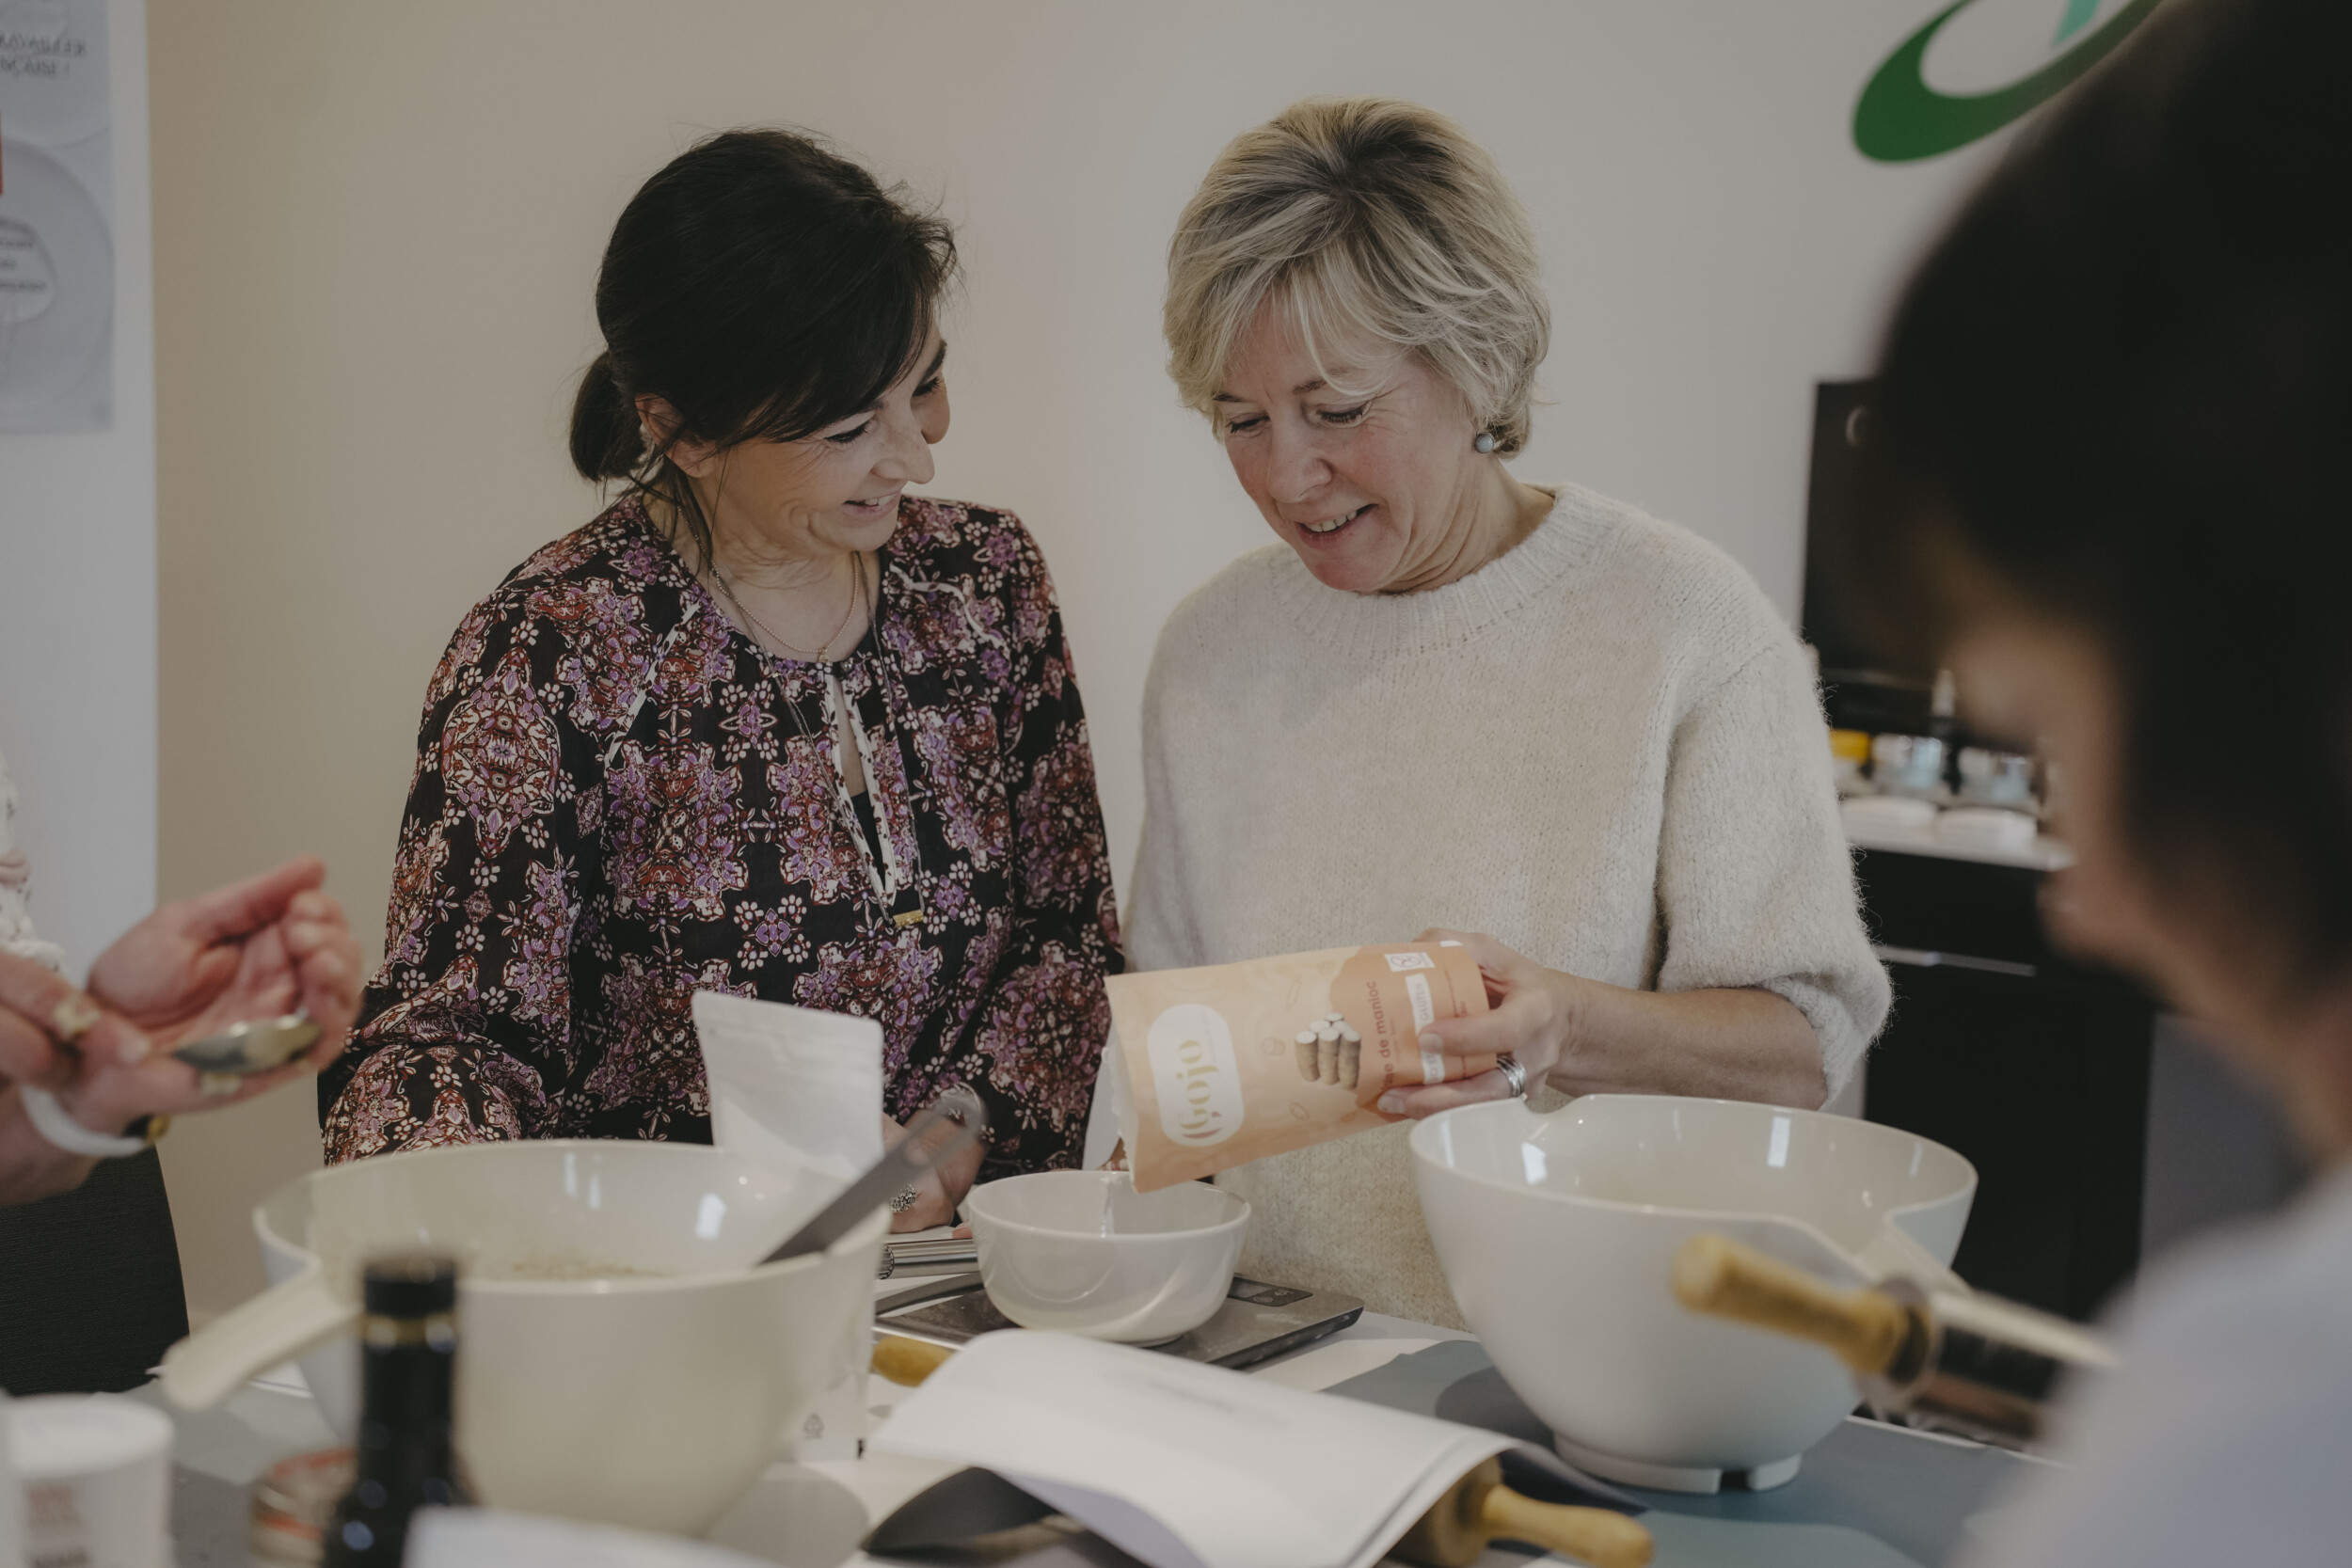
1486	441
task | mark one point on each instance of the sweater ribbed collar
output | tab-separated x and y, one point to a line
1364	626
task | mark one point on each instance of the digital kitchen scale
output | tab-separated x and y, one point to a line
1257	1323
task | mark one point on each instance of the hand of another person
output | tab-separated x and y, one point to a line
1532	1013
103	1070
50	1030
939	1190
251	950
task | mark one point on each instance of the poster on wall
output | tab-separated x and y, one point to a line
56	243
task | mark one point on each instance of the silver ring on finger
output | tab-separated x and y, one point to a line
1513	1075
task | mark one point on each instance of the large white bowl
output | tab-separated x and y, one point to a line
1558	1234
650	1390
1084	1252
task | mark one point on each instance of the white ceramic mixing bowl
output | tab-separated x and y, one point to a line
1558	1232
619	1357
1084	1252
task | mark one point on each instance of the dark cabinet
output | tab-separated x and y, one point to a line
2035	1068
2101	1129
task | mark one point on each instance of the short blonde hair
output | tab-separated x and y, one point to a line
1372	220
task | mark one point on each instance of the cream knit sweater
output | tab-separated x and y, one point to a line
1604	749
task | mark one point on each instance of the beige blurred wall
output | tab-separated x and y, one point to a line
376	227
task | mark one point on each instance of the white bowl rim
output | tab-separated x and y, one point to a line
1138	1238
1736	1216
602	1285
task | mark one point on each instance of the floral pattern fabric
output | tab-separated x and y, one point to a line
620	799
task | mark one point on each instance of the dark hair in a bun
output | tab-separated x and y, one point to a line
762	286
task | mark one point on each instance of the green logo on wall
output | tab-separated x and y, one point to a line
1901	118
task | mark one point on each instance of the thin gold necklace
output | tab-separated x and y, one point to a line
848	611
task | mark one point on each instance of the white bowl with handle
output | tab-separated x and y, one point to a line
1557	1233
623	1356
1082	1252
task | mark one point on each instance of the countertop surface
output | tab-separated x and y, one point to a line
1869	1496
2044	854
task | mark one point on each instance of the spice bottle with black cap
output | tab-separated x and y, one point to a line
406	1460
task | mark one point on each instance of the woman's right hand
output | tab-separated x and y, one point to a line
939	1190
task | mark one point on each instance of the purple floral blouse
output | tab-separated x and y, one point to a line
620	799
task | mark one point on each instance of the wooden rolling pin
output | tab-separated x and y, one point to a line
1973	1364
908	1362
1480	1508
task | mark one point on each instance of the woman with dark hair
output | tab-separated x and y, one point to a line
768	725
2111	479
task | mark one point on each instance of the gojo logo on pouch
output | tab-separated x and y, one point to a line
1193	1070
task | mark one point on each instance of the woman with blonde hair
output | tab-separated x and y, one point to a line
1450	699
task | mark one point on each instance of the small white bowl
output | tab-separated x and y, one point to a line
1558	1233
1082	1252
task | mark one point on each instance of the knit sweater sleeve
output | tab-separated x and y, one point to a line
1755	882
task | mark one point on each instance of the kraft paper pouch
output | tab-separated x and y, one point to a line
789	1083
1235	1062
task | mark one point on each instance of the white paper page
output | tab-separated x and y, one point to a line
1182	1465
787	1081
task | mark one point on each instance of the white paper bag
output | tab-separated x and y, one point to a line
1183	1465
790	1080
791	1084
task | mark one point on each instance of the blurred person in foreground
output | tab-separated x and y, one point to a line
1446	697
2110	480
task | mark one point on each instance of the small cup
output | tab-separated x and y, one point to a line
96	1469
1084	1252
1990	777
1908	765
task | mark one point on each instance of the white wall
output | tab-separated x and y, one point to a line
77	594
378	224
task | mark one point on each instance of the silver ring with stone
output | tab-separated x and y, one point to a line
1513	1075
904	1199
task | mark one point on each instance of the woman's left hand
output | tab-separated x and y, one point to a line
1584	1036
1532	1015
